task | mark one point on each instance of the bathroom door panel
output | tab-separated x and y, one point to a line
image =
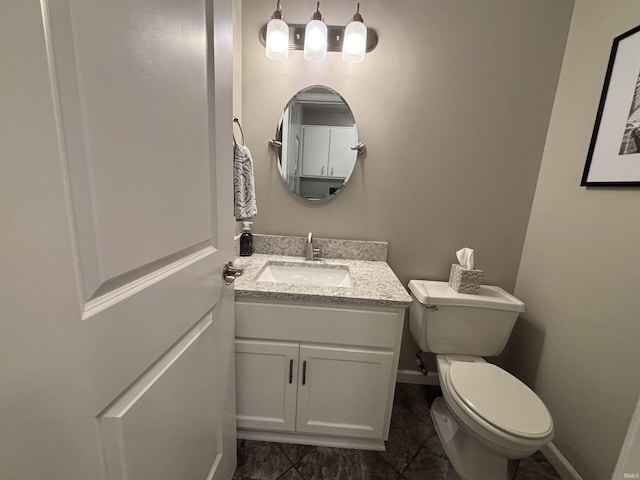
173	404
134	111
142	113
343	391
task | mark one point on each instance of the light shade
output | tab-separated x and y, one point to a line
315	38
277	41
354	43
315	41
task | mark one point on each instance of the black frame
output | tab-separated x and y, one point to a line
596	128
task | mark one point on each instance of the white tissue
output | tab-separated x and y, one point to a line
465	258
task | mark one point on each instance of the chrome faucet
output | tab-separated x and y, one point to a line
312	252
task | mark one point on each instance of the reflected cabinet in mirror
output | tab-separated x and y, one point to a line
315	143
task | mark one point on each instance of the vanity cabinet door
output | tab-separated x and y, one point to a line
315	151
341	157
326	151
343	391
266	384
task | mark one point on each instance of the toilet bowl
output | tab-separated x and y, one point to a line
486	415
495	407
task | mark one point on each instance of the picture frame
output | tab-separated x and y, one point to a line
613	159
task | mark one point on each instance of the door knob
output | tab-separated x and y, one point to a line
230	273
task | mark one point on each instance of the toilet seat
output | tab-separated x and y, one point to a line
508	404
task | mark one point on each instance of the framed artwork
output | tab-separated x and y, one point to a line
614	152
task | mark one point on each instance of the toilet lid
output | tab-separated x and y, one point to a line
500	399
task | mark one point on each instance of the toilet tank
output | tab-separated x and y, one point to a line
443	321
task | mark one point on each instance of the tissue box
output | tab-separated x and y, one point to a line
465	281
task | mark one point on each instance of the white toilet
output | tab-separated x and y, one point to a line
487	415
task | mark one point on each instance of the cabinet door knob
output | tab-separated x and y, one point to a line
322	171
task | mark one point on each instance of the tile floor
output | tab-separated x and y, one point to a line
413	452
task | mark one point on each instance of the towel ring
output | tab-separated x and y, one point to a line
235	120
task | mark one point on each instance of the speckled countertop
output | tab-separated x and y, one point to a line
373	282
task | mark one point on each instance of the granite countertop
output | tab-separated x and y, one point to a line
373	282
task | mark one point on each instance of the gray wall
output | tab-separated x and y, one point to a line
580	272
453	105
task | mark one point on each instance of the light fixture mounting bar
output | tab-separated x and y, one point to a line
335	36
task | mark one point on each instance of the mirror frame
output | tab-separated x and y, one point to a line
277	143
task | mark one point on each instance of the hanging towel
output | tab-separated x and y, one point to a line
244	192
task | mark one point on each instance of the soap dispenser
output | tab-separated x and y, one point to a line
246	240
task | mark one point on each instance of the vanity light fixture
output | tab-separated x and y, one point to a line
355	39
330	38
277	36
315	38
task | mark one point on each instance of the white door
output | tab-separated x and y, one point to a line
116	335
267	383
343	391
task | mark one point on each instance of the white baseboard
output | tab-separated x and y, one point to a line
561	464
317	440
413	376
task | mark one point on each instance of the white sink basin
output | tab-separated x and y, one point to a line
318	275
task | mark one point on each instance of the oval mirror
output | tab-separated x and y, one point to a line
315	139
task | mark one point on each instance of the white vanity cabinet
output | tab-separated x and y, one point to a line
316	374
